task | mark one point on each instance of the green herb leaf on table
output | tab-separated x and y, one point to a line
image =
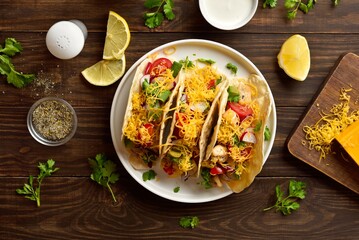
11	47
14	77
29	189
189	222
335	2
288	204
293	6
164	9
104	172
270	3
149	175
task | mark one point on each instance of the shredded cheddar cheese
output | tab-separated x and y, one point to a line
320	135
146	108
199	91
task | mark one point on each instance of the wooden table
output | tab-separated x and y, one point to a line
74	207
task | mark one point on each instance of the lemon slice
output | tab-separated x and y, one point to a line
294	57
117	37
105	72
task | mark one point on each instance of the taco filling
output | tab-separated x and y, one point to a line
200	89
151	95
235	154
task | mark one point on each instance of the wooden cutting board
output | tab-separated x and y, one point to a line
345	74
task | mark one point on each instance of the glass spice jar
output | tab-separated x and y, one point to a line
52	121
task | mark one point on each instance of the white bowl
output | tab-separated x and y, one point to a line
228	14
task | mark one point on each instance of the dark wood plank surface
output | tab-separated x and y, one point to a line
75	207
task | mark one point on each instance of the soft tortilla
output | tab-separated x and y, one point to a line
255	165
136	87
207	125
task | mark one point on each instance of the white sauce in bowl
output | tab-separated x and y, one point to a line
228	14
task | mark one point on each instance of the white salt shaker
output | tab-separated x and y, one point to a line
66	39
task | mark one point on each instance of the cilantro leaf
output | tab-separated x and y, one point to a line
31	191
153	20
164	8
11	47
149	175
187	64
104	172
232	68
206	176
167	9
286	205
258	126
293	6
14	77
206	61
189	221
270	3
290	3
176	189
153	3
267	134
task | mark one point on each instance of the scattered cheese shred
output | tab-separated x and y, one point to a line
321	134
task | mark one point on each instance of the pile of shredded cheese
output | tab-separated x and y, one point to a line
321	134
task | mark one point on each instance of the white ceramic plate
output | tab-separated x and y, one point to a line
190	191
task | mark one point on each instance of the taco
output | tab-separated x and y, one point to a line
234	155
197	99
154	87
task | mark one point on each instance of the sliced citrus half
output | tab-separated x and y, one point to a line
117	37
105	72
294	57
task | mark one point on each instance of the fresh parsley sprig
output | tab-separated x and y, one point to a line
104	172
293	6
296	191
14	77
164	9
270	3
31	191
189	221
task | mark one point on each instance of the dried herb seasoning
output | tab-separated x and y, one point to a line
52	120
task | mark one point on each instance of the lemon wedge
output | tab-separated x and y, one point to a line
105	72
294	57
117	37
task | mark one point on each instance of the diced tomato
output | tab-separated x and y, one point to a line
241	110
168	168
211	84
149	127
180	119
159	66
148	67
216	171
